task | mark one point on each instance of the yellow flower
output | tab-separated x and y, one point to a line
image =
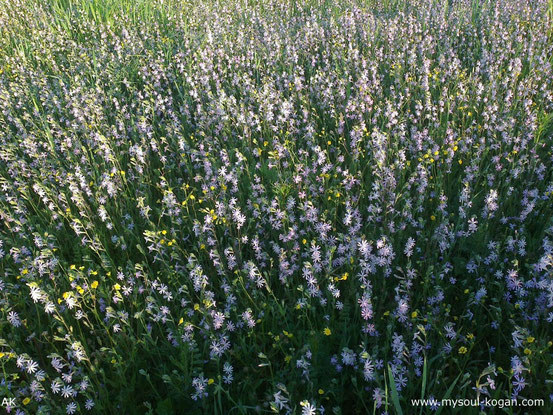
327	332
530	339
26	401
527	351
2	355
432	217
342	278
462	350
414	314
210	381
116	287
460	161
181	321
196	306
470	336
321	392
94	285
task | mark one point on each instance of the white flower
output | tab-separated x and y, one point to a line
13	318
280	401
56	386
71	408
67	391
32	366
308	409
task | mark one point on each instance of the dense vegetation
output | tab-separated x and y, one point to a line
238	207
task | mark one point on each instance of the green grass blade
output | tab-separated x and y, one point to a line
448	393
424	374
395	396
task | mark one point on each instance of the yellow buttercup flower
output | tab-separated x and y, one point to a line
327	331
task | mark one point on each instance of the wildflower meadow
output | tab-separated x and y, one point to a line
276	207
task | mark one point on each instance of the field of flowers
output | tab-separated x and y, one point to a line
268	206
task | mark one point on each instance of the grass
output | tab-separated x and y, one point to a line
242	207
